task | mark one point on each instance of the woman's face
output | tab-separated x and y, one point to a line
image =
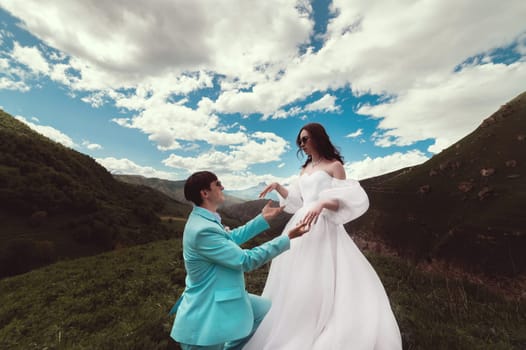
306	142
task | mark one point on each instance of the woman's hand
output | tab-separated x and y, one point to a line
269	212
311	217
272	187
299	230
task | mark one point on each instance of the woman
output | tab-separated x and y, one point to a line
325	295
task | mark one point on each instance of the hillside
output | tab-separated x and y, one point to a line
464	205
120	300
57	203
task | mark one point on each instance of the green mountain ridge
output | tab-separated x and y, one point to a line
57	203
464	205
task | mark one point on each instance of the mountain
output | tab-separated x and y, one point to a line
57	203
252	193
173	189
465	205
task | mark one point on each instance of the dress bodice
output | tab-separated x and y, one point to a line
312	184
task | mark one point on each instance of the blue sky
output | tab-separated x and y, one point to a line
165	88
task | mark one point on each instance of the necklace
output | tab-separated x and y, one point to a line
314	163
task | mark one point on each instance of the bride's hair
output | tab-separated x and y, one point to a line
322	142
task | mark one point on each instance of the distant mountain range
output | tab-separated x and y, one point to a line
173	189
252	193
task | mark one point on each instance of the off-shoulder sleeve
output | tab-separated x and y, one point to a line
294	201
351	197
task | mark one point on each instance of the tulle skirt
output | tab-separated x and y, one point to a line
325	296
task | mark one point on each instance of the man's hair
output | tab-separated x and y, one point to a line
197	182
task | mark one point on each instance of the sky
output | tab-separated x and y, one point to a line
164	88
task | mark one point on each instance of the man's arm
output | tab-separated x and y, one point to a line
220	250
257	225
249	230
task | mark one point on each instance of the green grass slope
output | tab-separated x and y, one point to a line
466	204
120	300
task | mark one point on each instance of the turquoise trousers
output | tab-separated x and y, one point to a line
260	307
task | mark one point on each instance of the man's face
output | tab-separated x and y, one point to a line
215	194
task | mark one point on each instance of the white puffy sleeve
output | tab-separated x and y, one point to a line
294	201
351	197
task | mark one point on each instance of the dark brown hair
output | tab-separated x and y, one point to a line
321	141
196	183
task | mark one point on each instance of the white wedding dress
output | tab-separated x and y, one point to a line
325	295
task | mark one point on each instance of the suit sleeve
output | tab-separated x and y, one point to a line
219	249
252	228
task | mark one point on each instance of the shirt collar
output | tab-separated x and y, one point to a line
207	214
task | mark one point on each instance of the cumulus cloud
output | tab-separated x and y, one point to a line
8	84
327	103
355	134
50	132
128	167
148	58
370	167
447	110
167	123
91	146
260	148
31	57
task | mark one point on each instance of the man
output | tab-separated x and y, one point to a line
215	312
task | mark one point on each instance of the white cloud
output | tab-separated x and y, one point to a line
148	57
91	146
370	167
449	109
8	84
131	36
260	148
167	123
355	134
327	104
50	132
128	167
31	57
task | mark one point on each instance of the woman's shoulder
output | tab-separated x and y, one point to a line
335	169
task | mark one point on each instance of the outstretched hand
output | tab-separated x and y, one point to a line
299	230
269	212
268	189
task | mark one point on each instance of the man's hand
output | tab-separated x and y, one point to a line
299	230
269	212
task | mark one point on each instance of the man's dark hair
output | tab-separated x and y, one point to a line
196	183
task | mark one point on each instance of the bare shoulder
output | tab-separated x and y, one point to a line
336	170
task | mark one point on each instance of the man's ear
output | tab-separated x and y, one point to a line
204	194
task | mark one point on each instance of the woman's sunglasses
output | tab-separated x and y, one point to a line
304	140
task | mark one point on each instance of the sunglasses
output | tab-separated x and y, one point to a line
218	183
304	140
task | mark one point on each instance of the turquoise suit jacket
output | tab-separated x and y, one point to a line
215	307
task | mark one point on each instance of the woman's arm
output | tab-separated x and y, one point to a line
283	192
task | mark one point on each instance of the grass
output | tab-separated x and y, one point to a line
120	300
